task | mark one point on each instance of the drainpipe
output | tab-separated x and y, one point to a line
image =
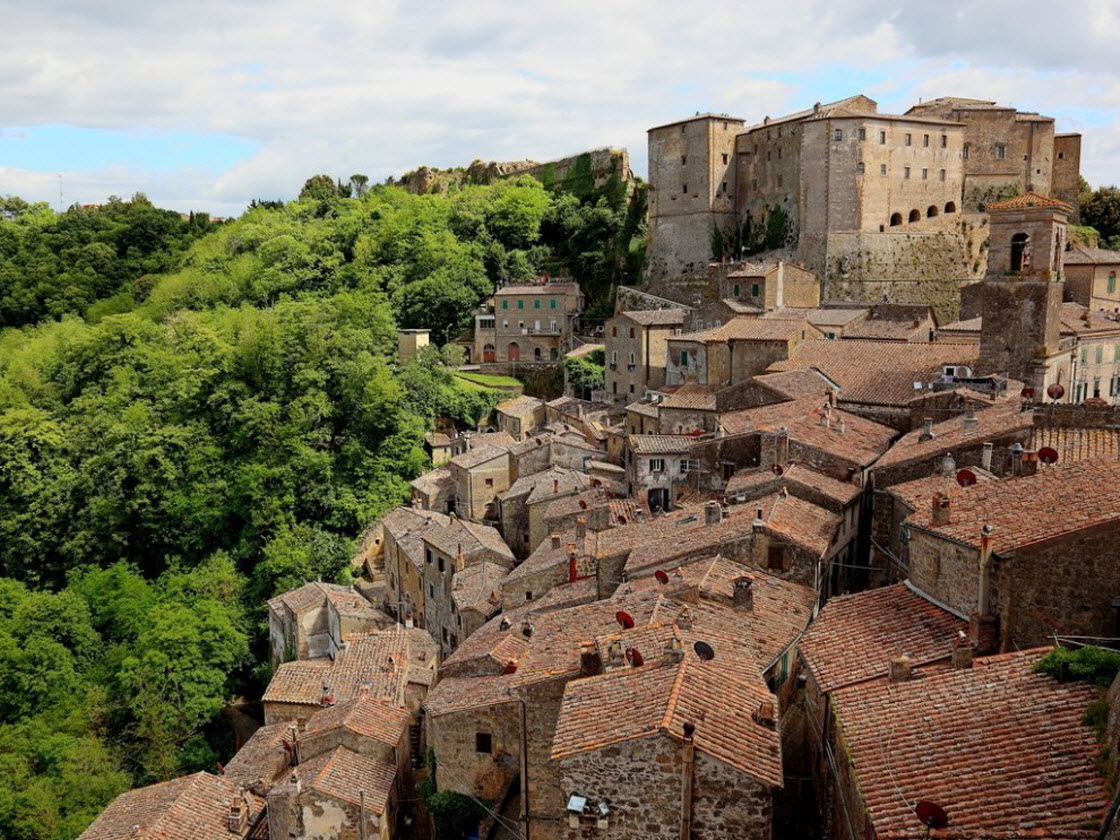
983	601
686	782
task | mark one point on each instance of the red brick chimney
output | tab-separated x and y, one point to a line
941	509
556	541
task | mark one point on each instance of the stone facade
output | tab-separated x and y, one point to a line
529	323
636	351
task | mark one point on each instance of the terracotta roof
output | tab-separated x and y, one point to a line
522	406
344	775
883	329
1024	510
478	455
1080	320
656	317
972	325
364	715
879	372
745	329
646	409
841	492
476	588
1002	749
366	660
437	439
1029	199
1084	255
434	481
693	396
316	594
561	482
660	444
740	307
795	383
471	537
861	441
855	636
799	521
461	694
538	289
262	758
581	591
825	110
659	699
194	807
408	525
752	483
577	503
625	511
818	316
1077	444
1002	418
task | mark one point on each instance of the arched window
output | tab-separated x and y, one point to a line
1020	252
553	354
915	215
536	354
896	219
950	207
514	354
932	211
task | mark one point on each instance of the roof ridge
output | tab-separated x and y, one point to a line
674	696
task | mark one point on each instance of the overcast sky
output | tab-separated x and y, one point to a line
206	105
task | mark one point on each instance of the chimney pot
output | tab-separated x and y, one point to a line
900	669
590	663
581	527
986	457
948	465
927	430
766	714
941	509
742	592
712	513
556	541
962	652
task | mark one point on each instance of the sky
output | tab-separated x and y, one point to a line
208	104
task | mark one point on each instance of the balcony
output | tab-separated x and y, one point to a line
540	330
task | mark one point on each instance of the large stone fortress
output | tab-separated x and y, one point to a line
864	195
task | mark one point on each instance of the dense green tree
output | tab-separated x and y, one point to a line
1101	210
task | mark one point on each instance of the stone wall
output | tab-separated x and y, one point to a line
726	803
459	765
604	162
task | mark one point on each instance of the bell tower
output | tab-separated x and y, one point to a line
1022	292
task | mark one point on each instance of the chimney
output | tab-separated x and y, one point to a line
674	650
840	425
616	657
571	567
1030	463
684	619
962	652
527	628
947	465
941	509
766	715
742	592
900	668
986	457
238	819
712	513
759	521
590	663
983	627
555	541
927	430
581	527
327	699
971	423
781	454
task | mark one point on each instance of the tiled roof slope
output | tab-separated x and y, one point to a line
1002	418
1002	749
1030	199
795	383
660	444
1077	444
262	758
315	594
522	406
1084	255
638	702
656	317
194	807
855	636
365	716
344	775
476	587
879	372
1057	500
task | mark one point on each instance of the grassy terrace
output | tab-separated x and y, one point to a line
490	380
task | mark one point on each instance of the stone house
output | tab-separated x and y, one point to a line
447	552
397	664
656	466
734	352
1024	557
410	343
475	596
439	447
521	416
521	507
317	619
403	558
1096	353
480	475
894	322
201	806
598	508
1090	277
435	490
772	285
527	323
642	417
636	350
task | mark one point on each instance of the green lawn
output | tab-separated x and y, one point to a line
490	380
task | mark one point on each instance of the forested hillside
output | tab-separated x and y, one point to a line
196	423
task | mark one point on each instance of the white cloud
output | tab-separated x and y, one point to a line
381	87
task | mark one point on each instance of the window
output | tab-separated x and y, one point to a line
882	169
428	555
942	174
657	464
944	141
737	290
631	332
1001	151
682	466
552	326
779	180
1100	353
925	174
1020	252
505	304
1084	355
863	134
442	568
684	358
859	168
431	591
925	141
768	154
682	129
838	135
775	558
684	188
964	152
552	304
779	131
906	172
882	138
1116	353
724	187
631	357
483	743
725	157
684	159
1096	388
1111	282
631	387
908	139
536	304
754	289
520	304
489	482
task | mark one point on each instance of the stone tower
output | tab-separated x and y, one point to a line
1022	293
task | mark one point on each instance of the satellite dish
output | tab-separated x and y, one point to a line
635	658
704	651
1048	455
777	469
662	578
1028	393
1056	391
510	668
625	619
966	478
931	815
